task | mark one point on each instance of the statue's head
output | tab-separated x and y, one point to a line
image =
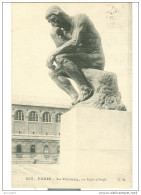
56	16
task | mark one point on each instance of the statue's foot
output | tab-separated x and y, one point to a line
85	94
75	100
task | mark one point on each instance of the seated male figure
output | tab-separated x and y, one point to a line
78	46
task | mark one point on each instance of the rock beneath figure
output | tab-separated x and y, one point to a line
106	92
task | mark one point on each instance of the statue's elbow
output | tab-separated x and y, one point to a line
74	42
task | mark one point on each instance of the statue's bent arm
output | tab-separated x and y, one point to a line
76	37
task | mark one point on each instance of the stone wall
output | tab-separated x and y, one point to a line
39	146
45	136
36	127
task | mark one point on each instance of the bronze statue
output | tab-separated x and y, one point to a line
78	47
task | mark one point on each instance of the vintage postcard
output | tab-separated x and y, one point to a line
71	95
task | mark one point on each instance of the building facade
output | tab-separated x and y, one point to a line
36	133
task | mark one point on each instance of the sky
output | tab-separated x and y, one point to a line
32	44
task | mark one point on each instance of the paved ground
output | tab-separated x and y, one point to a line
33	175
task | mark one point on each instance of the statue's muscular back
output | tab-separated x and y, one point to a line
89	39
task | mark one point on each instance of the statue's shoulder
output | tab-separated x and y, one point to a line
81	18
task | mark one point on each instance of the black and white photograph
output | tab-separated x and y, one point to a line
71	95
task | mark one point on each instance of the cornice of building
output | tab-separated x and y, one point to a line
39	104
35	137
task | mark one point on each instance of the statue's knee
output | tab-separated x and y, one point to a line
61	59
52	74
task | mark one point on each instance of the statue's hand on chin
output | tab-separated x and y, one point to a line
60	32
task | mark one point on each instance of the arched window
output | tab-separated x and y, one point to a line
46	149
33	116
19	115
19	149
32	150
47	117
58	118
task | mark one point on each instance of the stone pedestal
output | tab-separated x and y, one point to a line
106	92
96	148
